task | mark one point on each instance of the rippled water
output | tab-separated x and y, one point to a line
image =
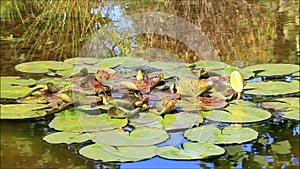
243	33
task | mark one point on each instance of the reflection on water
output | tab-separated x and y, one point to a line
242	32
22	147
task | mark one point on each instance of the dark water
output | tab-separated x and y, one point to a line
242	33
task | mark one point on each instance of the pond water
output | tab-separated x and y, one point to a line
242	33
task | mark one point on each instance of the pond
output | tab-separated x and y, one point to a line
239	34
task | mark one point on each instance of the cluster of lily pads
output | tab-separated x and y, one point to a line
126	108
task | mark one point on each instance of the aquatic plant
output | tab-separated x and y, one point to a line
103	101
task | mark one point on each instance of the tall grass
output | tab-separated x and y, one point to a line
61	28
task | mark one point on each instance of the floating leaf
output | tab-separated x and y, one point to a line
191	151
77	121
182	120
123	61
208	65
82	60
227	135
42	66
166	64
192	86
66	137
201	103
272	69
229	69
22	111
16	81
272	88
68	72
141	136
243	112
147	119
14	92
180	73
112	62
289	109
108	153
282	147
134	62
61	82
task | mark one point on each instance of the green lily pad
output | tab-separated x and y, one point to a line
14	92
134	62
229	69
289	109
209	65
228	135
22	111
42	66
61	82
108	153
272	69
272	88
282	147
147	120
66	137
77	121
68	72
191	151
123	61
192	86
177	121
141	136
180	73
15	80
112	62
166	64
82	60
242	112
182	120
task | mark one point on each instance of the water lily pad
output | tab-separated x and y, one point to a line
16	81
77	121
68	72
165	64
272	88
242	112
123	61
201	103
182	120
112	62
82	60
14	92
61	82
180	73
141	136
66	137
192	86
42	66
227	135
229	69
273	69
288	107
147	119
22	111
282	147
134	62
209	65
190	151
108	153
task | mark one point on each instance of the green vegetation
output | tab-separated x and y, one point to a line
134	106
